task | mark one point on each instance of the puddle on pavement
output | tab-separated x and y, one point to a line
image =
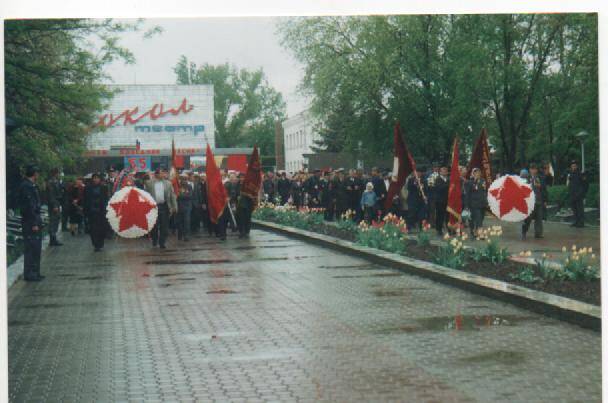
55	305
201	261
400	292
503	357
91	278
372	275
458	323
222	291
356	267
168	274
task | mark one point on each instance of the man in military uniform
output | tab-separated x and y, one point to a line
577	189
353	188
270	186
537	183
95	202
313	187
54	198
31	225
342	202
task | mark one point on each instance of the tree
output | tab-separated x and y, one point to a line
245	105
53	86
530	79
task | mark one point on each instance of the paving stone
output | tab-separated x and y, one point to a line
294	329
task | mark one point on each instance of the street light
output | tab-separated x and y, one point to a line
581	136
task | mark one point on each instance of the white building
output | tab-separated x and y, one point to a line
298	138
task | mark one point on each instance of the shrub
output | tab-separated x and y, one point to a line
558	194
592	199
384	235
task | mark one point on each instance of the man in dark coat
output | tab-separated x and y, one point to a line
416	201
379	189
313	187
441	188
31	224
476	200
233	188
95	202
270	187
353	187
342	202
576	182
284	187
54	195
537	182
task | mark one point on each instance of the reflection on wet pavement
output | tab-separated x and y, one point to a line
275	319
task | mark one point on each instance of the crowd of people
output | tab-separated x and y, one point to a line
423	197
79	206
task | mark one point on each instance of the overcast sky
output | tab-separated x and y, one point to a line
245	42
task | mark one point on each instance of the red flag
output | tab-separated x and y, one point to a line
253	177
173	173
216	192
481	158
403	165
454	208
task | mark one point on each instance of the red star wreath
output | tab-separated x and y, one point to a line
511	198
132	212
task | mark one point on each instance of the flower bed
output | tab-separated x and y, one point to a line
577	278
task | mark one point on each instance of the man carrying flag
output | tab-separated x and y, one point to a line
403	165
454	207
248	199
217	197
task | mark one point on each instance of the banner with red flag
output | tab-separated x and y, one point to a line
173	173
454	208
253	177
403	165
481	158
216	192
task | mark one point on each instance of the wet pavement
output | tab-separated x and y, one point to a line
276	319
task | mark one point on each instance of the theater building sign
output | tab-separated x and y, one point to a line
143	121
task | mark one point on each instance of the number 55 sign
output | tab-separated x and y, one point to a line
137	162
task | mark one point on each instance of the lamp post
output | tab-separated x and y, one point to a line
581	137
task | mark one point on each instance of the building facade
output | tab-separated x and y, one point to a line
143	121
299	137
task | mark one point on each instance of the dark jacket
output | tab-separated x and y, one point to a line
540	189
269	186
29	205
441	189
476	194
283	187
233	190
54	194
415	200
184	199
95	200
577	185
379	189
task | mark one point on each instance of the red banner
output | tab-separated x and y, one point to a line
253	177
481	158
216	192
454	208
403	165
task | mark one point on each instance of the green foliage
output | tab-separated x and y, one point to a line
558	194
290	218
423	238
531	79
592	199
449	256
491	252
580	267
526	274
388	237
246	107
53	90
346	225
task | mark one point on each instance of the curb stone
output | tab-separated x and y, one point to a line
562	308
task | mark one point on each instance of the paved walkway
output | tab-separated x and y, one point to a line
273	318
